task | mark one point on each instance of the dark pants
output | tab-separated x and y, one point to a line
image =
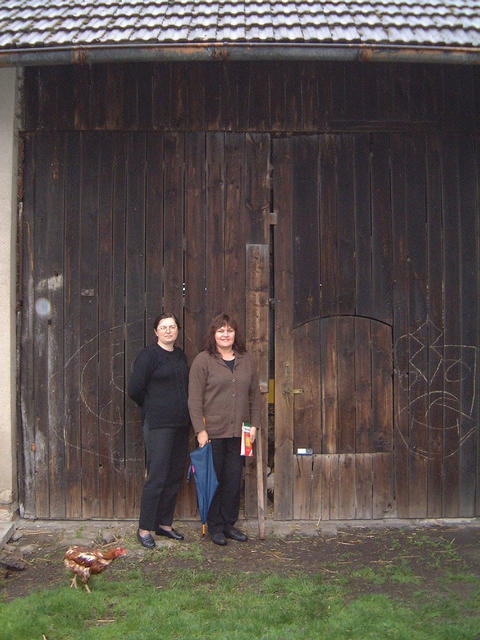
166	457
228	465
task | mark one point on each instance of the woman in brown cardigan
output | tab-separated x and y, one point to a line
223	393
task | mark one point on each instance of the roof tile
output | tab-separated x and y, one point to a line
48	23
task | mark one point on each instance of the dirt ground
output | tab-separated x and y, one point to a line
429	553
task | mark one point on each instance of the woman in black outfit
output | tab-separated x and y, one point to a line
159	384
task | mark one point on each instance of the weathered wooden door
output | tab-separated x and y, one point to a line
117	226
333	334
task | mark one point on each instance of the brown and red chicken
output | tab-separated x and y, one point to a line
87	562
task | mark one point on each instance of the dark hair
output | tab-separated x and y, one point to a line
220	321
162	316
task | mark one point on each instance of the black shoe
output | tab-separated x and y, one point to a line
169	533
218	538
235	534
146	541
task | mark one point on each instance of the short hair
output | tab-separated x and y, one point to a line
163	316
220	321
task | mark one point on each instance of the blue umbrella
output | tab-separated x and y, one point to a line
206	482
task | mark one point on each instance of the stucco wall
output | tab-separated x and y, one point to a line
8	172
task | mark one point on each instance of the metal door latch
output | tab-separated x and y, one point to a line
292	392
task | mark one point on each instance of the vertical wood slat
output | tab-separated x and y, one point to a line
345	194
215	232
72	344
257	340
282	188
329	384
381	230
27	371
306	253
470	322
173	224
195	317
452	319
90	161
307	407
108	422
328	226
237	221
45	175
154	231
435	312
417	253
346	409
400	325
117	444
134	311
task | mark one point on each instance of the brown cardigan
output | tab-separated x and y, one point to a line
224	398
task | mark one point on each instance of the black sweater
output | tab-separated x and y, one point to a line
159	384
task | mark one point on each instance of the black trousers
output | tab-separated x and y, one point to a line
228	465
166	457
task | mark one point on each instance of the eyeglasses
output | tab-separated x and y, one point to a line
169	327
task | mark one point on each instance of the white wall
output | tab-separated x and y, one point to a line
8	217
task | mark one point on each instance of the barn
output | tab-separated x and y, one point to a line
313	167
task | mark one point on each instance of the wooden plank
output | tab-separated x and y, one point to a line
329	384
215	223
282	189
363	486
48	251
154	232
334	488
306	253
317	488
72	343
81	96
345	197
88	238
195	318
381	229
363	386
382	393
328	227
326	462
310	102
452	319
382	486
306	380
43	179
465	369
345	380
108	422
257	187
134	312
302	487
400	325
363	228
257	341
27	371
346	488
161	117
173	276
119	373
418	365
435	313
237	215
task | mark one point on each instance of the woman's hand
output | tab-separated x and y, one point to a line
253	434
202	438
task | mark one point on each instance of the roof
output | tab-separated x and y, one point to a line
67	24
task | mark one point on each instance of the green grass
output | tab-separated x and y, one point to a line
198	604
